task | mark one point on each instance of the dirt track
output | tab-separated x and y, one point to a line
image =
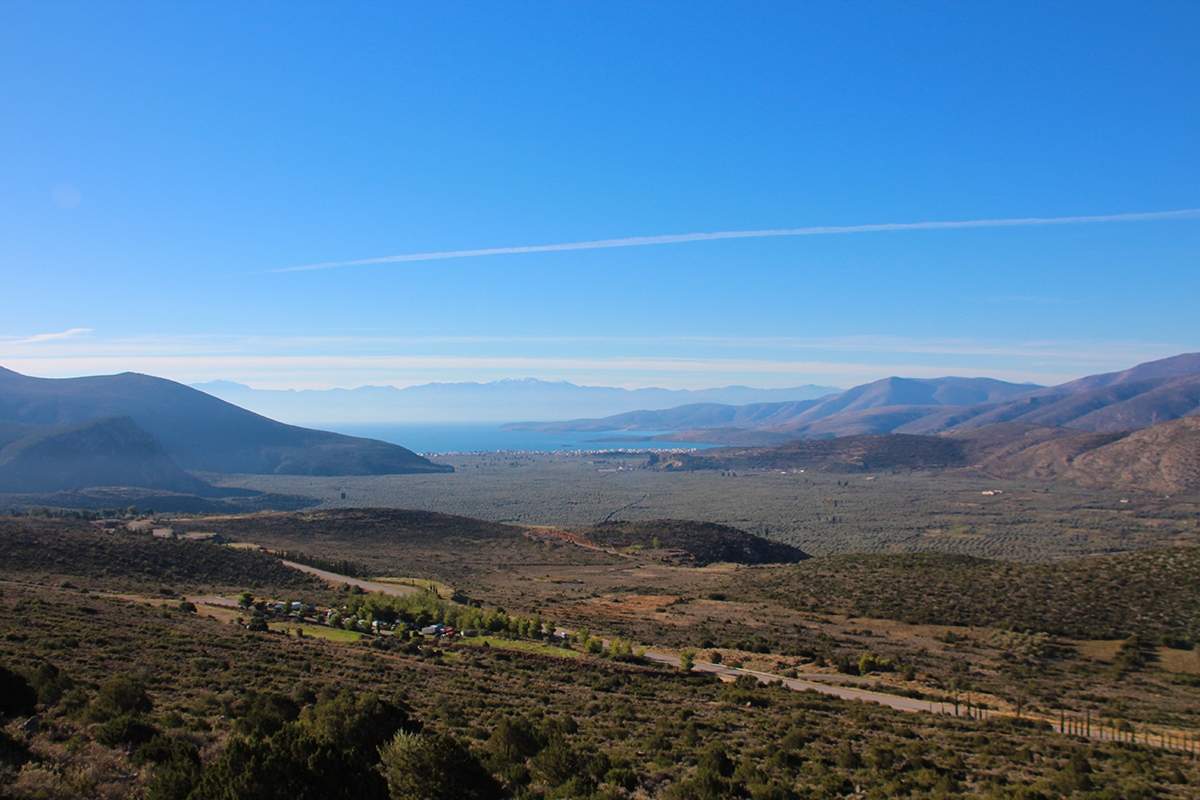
366	586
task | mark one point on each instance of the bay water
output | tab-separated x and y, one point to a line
489	437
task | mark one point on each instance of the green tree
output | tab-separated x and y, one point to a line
687	660
291	765
119	696
127	728
712	779
173	780
514	740
557	764
359	724
17	697
50	682
434	766
263	714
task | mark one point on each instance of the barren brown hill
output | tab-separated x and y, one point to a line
1115	407
1025	450
1173	367
1164	458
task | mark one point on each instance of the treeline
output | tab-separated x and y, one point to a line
426	608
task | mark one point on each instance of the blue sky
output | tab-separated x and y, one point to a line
162	165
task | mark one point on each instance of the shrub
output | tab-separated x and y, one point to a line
17	697
434	766
128	728
119	696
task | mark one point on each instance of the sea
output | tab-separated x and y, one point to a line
488	437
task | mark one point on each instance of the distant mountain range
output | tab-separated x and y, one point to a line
889	402
138	430
1138	429
498	401
1135	398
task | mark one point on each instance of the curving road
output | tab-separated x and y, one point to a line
367	586
807	682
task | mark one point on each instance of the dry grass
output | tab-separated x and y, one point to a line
1178	661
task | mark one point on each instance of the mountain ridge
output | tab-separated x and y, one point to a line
865	400
1139	397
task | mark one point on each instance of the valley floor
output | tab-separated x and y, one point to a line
821	514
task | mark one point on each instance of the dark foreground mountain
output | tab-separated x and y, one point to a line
198	431
105	452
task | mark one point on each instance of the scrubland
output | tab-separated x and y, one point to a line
1029	608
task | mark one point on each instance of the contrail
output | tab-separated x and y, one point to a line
822	230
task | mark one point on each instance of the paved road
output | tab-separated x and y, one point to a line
367	586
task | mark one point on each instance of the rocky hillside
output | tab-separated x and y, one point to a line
1162	459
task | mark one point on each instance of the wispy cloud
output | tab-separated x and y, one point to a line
822	230
331	371
50	337
1065	354
1032	300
